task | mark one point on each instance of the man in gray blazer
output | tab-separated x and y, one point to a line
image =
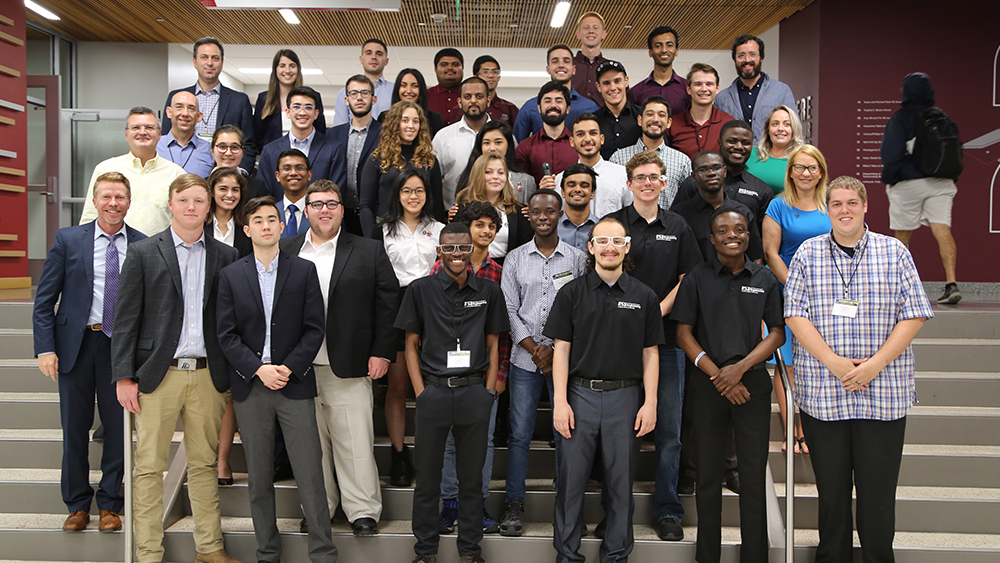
166	360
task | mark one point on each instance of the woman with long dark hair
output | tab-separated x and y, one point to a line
269	120
227	151
226	217
496	136
410	234
405	140
410	86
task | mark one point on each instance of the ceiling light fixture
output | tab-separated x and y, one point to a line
40	10
559	14
289	16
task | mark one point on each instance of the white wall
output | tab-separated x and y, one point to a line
121	75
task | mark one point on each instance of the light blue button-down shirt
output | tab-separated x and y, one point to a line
383	91
195	157
191	260
305	144
266	279
576	235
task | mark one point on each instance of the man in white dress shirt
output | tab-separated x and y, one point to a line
587	139
453	144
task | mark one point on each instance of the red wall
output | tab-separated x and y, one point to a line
851	57
13	205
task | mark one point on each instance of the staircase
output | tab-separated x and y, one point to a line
948	501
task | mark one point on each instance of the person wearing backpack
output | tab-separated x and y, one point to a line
921	159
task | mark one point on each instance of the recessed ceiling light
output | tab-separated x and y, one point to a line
45	13
421	23
513	25
289	16
305	71
160	20
559	14
628	27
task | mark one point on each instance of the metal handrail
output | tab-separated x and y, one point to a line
789	459
128	462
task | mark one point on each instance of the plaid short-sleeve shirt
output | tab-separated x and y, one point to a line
888	290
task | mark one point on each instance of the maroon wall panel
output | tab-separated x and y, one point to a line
13	138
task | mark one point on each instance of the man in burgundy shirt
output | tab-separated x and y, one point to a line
663	81
551	143
698	128
487	68
449	68
590	31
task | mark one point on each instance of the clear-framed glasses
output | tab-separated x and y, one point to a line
455	248
297	168
359	93
330	204
642	179
411	191
616	241
149	128
301	107
223	148
490	71
706	169
800	168
744	56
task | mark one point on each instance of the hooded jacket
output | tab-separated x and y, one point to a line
897	163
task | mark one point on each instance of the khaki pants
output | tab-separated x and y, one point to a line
347	435
191	395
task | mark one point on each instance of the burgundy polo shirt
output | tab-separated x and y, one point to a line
585	77
442	100
540	148
690	138
675	91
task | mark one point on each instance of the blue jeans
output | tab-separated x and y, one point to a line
525	390
449	474
669	402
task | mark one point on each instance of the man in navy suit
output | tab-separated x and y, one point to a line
326	155
220	105
359	137
294	173
270	344
73	346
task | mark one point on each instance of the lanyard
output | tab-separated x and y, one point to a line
458	326
860	254
190	154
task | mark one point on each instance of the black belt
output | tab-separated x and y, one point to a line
603	384
463	381
201	363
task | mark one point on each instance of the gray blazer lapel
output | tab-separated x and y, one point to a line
166	246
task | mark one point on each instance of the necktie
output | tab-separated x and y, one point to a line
292	227
110	285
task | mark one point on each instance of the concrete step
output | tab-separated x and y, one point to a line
16	343
42	449
956	354
971	319
945	389
23	376
16	314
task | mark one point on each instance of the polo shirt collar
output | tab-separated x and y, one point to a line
721	269
472	281
564	135
673	78
595	281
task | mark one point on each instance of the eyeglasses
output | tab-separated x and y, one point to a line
330	204
617	241
642	179
411	191
707	169
455	248
228	148
745	56
800	168
137	128
359	94
299	107
490	71
297	168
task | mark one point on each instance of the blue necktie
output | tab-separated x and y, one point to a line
110	285
292	227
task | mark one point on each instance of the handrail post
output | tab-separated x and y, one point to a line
789	460
128	462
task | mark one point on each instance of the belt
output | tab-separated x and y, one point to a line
187	363
95	328
462	381
603	384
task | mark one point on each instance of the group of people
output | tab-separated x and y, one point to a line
454	244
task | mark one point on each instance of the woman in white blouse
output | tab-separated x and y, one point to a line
410	234
226	218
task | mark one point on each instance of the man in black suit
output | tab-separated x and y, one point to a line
360	292
270	344
166	360
359	137
219	105
73	347
326	154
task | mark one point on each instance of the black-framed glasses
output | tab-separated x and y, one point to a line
228	148
455	248
800	168
359	93
330	204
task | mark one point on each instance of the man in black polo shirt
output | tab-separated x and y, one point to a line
735	142
452	322
606	326
707	173
663	250
618	117
718	310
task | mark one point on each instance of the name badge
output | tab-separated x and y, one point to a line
187	364
561	279
459	359
845	308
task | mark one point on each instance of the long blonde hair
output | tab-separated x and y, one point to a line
764	144
390	152
272	102
476	190
791	193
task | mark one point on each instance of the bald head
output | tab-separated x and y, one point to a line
183	114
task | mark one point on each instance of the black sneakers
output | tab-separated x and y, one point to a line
951	295
510	522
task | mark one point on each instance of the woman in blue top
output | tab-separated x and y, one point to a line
799	214
769	159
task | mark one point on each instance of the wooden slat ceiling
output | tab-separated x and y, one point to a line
702	24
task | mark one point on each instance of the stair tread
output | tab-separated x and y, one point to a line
957	341
910	492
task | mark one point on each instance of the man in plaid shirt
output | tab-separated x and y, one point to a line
854	303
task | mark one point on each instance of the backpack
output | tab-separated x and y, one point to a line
937	151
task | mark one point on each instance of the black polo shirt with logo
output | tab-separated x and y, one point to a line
697	212
608	326
744	187
725	310
440	312
662	251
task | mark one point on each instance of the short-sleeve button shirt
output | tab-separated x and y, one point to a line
607	326
441	312
661	251
725	309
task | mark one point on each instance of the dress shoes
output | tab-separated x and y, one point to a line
110	521
77	521
365	527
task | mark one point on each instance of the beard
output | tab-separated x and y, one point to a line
553	119
357	113
752	73
654	134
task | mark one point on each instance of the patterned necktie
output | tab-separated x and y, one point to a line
292	228
110	285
